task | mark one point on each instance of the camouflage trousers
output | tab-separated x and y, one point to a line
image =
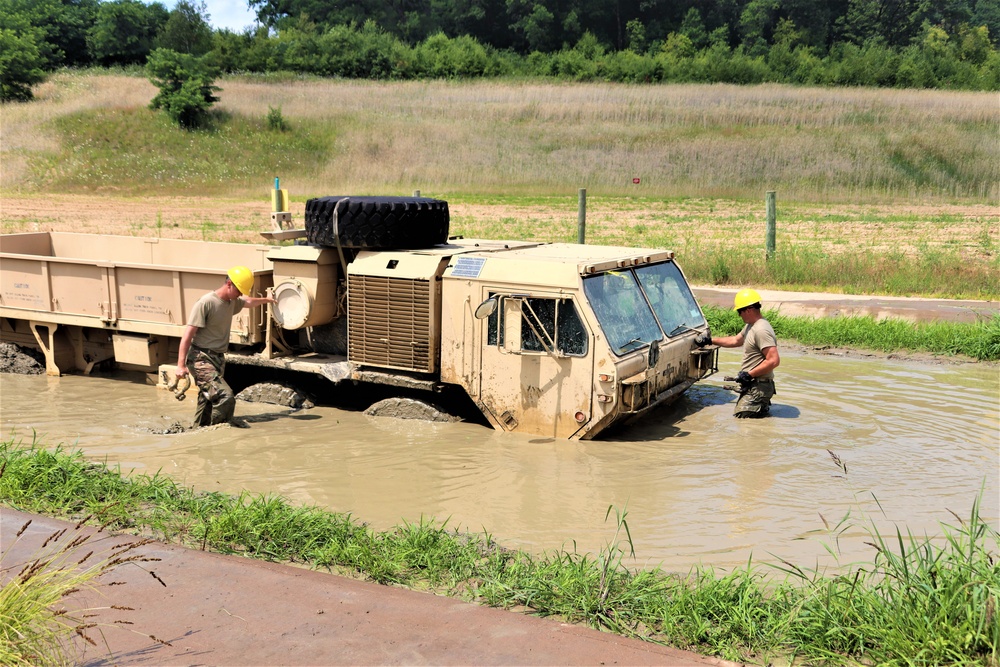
756	400
216	401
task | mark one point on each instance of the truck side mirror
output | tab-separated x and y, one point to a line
512	325
486	308
654	353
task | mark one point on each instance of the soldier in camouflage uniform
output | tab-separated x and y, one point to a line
760	356
205	341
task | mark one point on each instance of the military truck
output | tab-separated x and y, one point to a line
551	339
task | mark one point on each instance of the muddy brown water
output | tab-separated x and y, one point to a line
698	486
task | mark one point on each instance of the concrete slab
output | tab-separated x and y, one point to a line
228	610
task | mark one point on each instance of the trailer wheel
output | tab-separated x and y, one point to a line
377	223
276	394
409	408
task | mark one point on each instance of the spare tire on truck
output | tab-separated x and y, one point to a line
377	223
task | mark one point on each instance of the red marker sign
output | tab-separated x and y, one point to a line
636	181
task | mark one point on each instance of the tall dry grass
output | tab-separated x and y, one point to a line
488	137
25	128
714	140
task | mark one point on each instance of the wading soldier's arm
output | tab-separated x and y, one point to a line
252	301
189	333
771	361
728	341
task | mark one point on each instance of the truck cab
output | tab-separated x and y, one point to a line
560	340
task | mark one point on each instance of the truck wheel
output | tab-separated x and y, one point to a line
409	408
377	223
275	394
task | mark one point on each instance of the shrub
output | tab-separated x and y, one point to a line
275	120
186	86
443	57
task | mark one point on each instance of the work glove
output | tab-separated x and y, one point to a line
701	340
744	379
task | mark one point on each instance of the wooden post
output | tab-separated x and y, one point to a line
416	193
581	217
772	223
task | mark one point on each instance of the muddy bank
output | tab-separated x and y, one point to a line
22	361
905	355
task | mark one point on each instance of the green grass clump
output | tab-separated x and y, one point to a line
38	617
920	601
141	150
943	273
978	340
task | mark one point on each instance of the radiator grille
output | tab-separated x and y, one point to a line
389	323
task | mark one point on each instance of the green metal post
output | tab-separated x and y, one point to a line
581	217
772	223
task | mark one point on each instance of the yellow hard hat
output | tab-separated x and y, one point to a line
744	298
242	277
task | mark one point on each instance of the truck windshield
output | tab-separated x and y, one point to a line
623	313
671	298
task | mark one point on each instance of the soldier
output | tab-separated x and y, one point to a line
206	339
760	356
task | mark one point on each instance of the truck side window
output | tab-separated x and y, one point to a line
572	338
494	332
559	319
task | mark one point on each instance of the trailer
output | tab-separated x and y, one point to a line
559	340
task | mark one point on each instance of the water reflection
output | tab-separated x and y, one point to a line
699	486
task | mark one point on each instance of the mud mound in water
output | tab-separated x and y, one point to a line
408	408
22	361
275	394
178	427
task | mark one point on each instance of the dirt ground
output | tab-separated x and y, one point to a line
971	230
270	614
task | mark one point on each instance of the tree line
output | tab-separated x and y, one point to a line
891	43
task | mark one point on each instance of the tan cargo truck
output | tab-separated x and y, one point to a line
558	340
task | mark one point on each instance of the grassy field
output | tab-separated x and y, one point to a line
920	601
979	340
878	191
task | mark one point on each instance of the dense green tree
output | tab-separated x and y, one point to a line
757	22
693	27
187	29
892	22
534	24
987	13
62	27
124	31
21	61
186	83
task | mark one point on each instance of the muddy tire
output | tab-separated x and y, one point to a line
377	223
275	394
409	408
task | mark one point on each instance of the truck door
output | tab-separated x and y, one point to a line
537	365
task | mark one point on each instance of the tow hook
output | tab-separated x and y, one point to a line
180	386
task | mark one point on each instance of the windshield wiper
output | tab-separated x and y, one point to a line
634	340
679	328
